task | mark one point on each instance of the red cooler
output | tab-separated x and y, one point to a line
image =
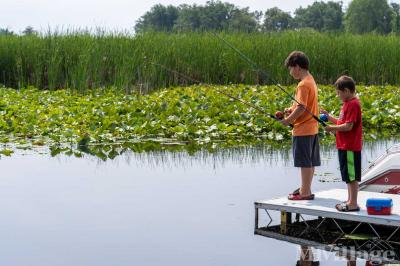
379	206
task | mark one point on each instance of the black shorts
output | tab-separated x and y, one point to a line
350	165
306	151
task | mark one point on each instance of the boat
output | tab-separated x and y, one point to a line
383	174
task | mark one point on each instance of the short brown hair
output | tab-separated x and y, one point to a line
344	82
297	58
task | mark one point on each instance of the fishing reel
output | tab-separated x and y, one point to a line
279	115
323	117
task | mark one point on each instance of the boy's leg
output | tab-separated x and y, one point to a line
350	168
354	172
307	174
353	192
306	156
306	254
351	261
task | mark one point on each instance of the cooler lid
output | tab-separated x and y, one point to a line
379	202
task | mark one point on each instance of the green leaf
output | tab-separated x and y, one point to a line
6	152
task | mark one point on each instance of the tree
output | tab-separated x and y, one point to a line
243	20
215	15
320	16
159	18
395	17
29	31
6	31
277	20
364	16
189	18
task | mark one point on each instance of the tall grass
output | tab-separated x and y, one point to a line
82	61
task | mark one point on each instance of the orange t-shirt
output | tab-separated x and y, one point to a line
307	95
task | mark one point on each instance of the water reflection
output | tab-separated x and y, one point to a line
173	154
306	257
327	243
155	207
156	154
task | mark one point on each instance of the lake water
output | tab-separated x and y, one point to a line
154	208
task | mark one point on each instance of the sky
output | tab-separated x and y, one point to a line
115	15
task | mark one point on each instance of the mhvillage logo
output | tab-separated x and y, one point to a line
348	253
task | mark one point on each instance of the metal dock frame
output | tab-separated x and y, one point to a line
318	209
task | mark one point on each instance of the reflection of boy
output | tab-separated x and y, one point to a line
306	257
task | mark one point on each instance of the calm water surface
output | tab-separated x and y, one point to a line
156	208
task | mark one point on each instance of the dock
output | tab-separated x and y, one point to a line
324	206
314	218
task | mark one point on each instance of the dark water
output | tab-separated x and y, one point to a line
156	208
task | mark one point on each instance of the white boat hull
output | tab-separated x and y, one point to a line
383	175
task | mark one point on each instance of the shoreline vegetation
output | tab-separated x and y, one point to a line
106	122
80	92
84	61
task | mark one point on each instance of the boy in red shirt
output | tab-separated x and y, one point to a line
348	129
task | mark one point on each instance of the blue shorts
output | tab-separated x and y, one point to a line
306	151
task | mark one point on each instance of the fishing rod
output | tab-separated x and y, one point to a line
260	70
275	117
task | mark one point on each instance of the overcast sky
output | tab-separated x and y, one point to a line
109	14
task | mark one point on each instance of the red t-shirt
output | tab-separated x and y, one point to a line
350	113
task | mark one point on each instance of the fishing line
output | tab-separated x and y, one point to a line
260	70
219	91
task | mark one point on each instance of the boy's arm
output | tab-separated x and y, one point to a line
343	127
293	116
302	94
332	119
350	119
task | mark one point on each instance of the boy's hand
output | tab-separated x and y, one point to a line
322	111
285	122
288	111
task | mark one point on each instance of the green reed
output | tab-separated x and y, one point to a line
82	60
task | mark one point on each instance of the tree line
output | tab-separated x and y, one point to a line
361	16
27	31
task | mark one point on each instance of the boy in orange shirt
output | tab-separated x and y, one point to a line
305	143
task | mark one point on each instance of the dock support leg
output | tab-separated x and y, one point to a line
286	219
256	219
